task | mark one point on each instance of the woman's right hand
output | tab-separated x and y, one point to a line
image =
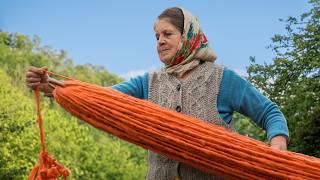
38	77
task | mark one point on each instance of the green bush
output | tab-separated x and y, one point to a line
88	153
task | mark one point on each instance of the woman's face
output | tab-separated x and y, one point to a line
168	38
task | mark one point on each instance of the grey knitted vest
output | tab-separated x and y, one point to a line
197	97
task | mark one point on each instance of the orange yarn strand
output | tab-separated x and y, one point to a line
205	146
58	75
47	168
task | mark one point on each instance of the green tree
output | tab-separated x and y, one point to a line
292	80
246	127
18	52
71	143
87	152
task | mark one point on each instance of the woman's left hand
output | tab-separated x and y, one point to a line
279	142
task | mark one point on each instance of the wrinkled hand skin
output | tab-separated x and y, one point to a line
279	142
38	77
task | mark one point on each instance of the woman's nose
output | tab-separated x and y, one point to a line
161	40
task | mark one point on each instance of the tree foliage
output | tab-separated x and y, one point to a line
292	80
87	152
246	127
17	52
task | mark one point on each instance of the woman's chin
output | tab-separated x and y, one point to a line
165	61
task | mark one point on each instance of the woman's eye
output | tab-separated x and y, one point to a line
157	37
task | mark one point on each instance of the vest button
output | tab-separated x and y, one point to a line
178	87
178	108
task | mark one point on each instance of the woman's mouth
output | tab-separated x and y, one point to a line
164	50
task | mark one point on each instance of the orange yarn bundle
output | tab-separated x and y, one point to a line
180	137
47	168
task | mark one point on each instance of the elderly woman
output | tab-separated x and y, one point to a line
191	83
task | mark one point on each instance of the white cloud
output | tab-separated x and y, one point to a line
241	72
137	72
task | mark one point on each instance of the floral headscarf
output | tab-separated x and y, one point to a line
193	47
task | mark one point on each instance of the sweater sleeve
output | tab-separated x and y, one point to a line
240	95
136	87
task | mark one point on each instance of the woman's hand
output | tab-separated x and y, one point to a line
279	142
38	77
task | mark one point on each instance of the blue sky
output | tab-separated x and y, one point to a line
119	34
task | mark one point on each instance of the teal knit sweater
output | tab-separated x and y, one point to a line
236	94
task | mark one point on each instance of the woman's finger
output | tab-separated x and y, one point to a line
36	70
33	79
32	74
33	85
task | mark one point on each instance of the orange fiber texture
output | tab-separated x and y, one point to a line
205	146
47	168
